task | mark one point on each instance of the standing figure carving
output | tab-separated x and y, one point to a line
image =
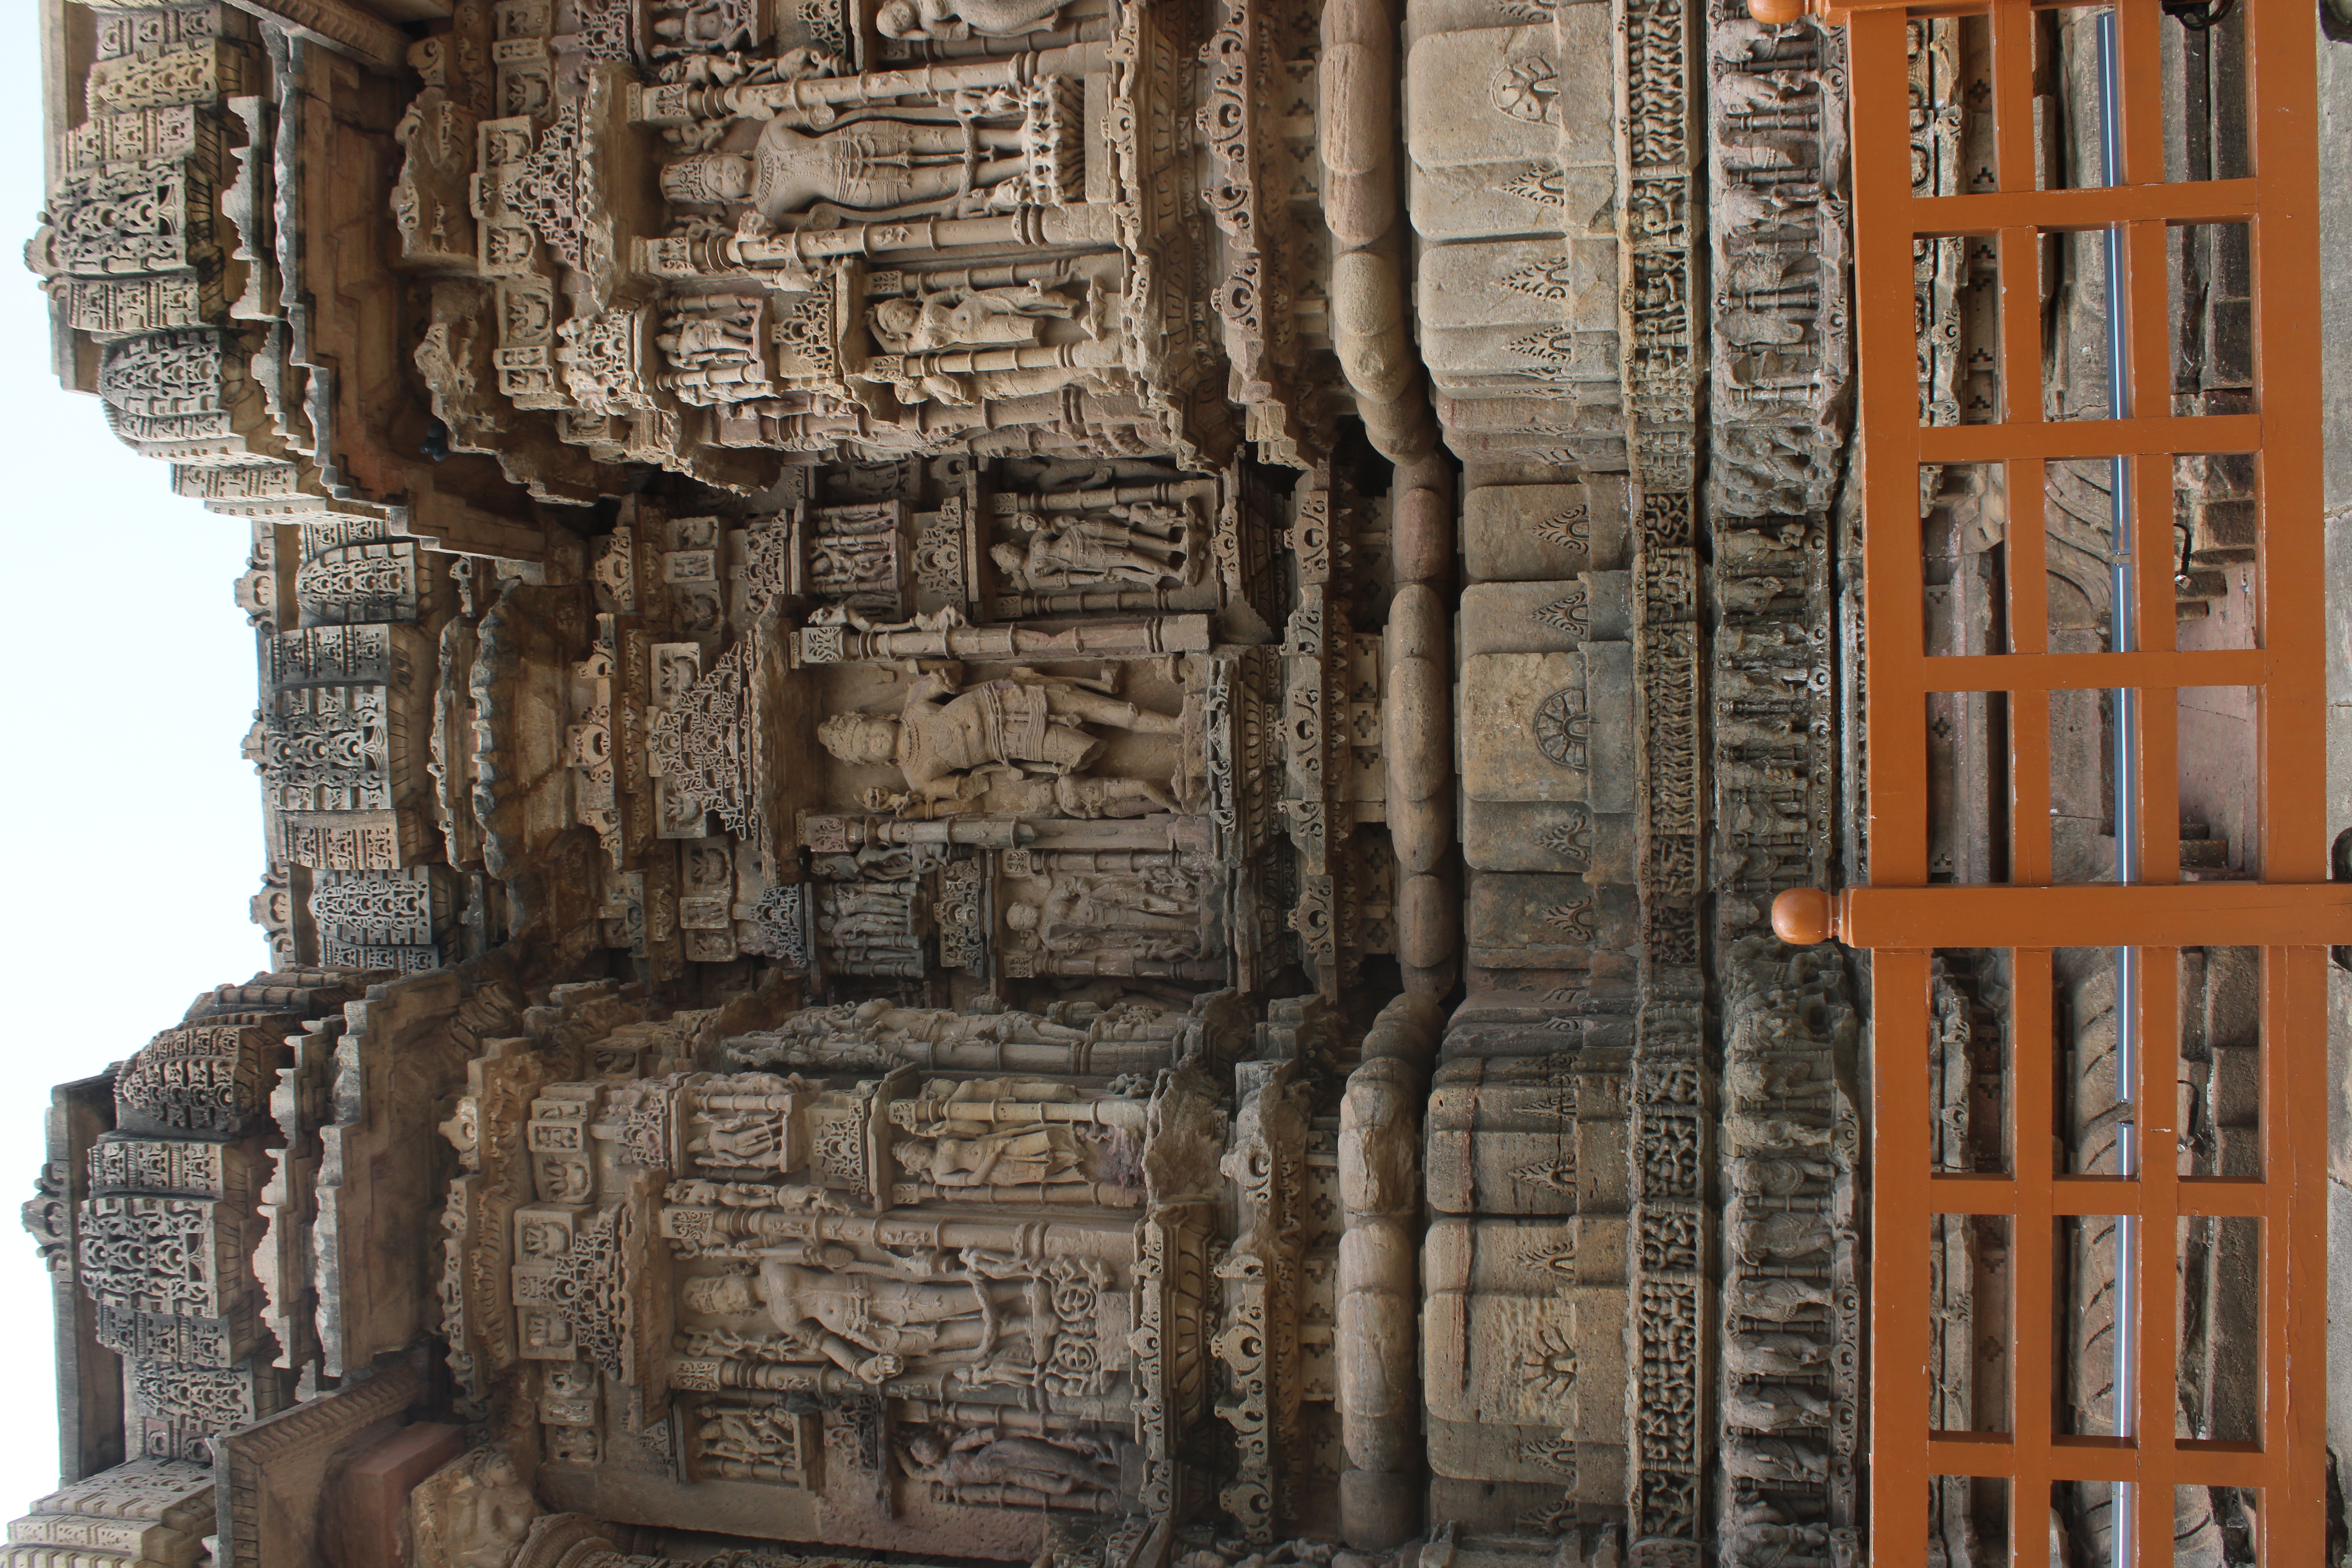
987	1465
1090	912
969	317
865	1323
952	21
1140	545
949	743
995	1135
870	164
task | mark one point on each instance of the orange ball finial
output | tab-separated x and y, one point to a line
1803	917
1776	13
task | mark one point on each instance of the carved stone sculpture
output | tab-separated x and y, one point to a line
954	20
946	741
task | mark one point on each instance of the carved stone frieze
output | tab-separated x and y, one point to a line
1790	1416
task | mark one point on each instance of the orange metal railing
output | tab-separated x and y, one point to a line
2288	915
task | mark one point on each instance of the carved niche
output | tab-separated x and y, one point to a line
916	1301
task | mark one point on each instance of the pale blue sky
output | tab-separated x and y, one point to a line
129	827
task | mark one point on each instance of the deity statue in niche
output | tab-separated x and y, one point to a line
869	1320
969	317
700	333
867	163
1151	914
697	1192
1142	546
745	1141
988	1465
1007	1133
1012	1157
704	26
950	744
952	21
869	923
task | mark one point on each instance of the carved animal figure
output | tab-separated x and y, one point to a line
1777	1300
1749	1132
892	1025
1775	1407
1783	1177
1780	1545
1773	1355
1783	1085
1774	1459
1780	1236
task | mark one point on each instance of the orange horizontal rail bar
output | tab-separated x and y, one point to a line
1971	1194
2091	671
2202	1462
2206	1197
1993	1455
2226	1197
2189	914
2099	206
2161	437
1838	13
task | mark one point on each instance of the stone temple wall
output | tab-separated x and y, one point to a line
1021	766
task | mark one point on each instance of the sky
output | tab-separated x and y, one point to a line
132	826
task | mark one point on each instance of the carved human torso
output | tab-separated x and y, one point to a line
871	166
1004	721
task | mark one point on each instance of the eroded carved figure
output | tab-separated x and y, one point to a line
949	743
